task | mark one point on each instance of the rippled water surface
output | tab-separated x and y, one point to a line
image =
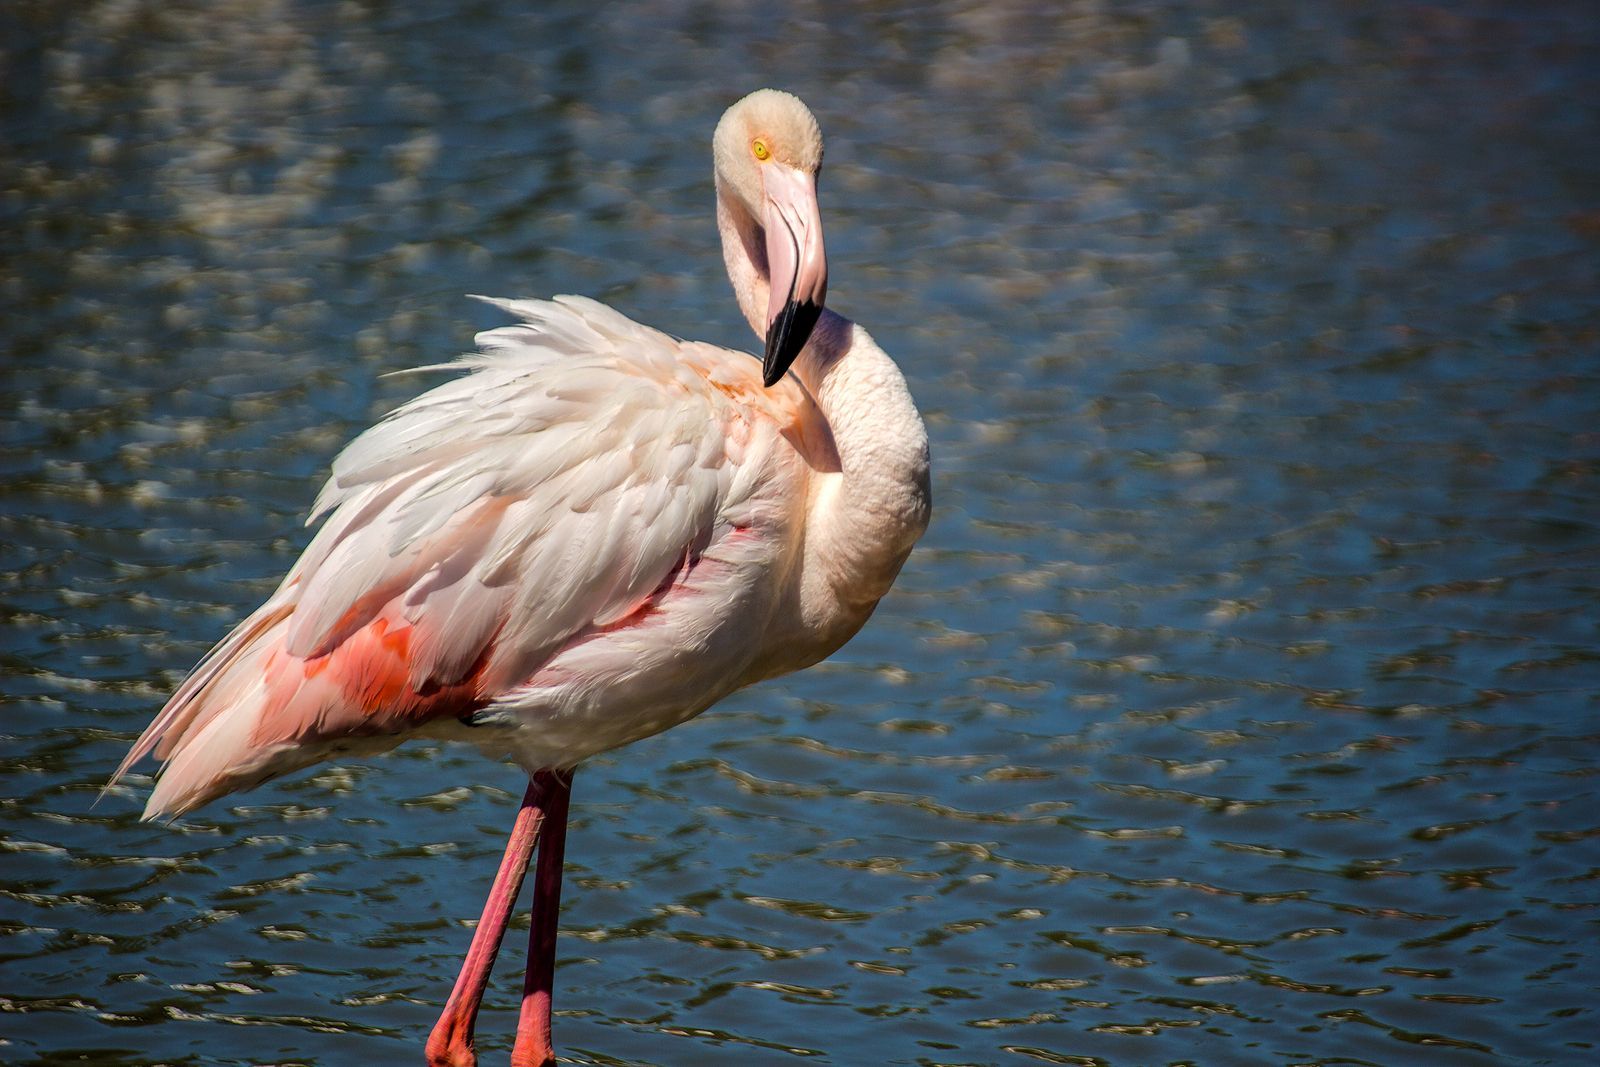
1239	706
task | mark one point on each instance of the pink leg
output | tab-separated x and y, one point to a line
533	1048
450	1044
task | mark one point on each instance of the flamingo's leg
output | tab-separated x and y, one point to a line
533	1047
450	1044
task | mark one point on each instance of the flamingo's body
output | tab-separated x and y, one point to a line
595	534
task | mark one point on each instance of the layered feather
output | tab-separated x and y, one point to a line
547	494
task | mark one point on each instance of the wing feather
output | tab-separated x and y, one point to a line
550	490
579	464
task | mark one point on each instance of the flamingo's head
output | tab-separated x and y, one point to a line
768	151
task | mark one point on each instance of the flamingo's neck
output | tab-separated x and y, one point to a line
865	520
744	251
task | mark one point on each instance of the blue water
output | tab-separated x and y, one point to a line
1239	706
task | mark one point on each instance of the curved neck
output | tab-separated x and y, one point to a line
857	539
744	251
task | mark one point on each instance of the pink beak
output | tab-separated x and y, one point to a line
797	267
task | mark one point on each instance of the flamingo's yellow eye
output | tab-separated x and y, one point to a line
759	147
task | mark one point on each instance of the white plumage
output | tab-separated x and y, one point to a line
593	533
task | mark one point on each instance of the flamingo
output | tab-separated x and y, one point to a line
593	534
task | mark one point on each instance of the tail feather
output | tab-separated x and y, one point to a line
175	719
205	733
253	710
215	756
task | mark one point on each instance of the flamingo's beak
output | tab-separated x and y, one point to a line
797	267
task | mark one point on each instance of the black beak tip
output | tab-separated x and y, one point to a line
786	337
773	365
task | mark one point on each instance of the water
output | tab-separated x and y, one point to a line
1239	706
